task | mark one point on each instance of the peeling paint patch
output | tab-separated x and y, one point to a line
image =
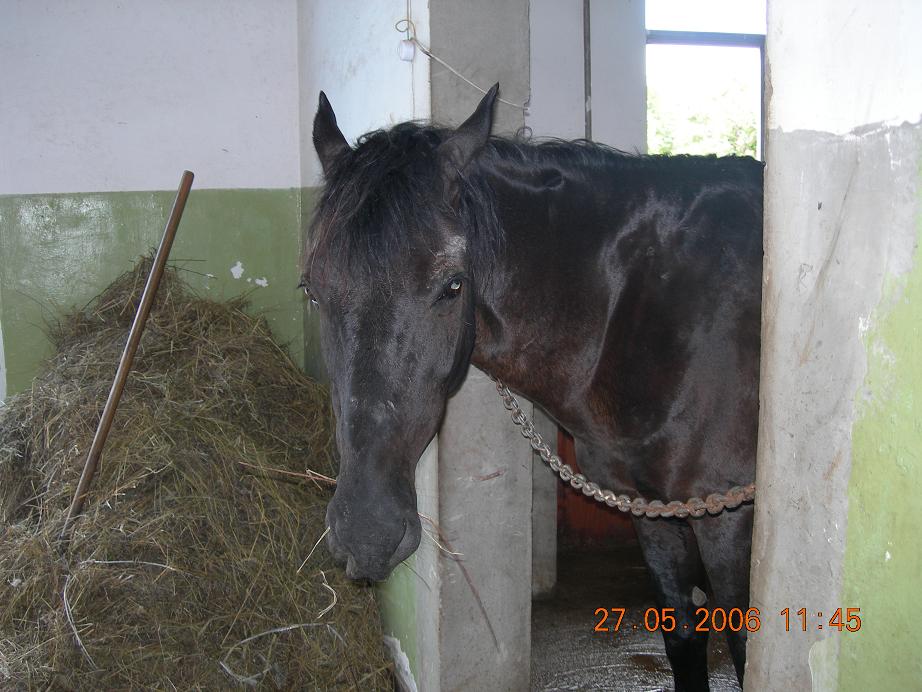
401	664
823	657
237	270
2	368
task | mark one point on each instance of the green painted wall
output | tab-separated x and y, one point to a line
397	603
883	559
313	359
60	250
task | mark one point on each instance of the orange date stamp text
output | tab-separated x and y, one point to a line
722	619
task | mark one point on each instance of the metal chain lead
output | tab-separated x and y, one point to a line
715	503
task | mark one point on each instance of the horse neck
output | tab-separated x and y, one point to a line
541	318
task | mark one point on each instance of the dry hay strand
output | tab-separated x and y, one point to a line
183	572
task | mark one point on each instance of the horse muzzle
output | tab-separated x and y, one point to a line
370	546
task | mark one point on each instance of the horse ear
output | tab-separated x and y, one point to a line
465	143
328	139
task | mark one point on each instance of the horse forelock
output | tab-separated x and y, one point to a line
382	203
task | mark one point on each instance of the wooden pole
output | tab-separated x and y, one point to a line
124	365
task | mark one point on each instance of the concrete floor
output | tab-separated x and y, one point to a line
568	655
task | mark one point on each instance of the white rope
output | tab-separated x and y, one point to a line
406	26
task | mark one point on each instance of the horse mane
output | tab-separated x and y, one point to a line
529	153
381	199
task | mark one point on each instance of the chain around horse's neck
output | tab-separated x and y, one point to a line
715	503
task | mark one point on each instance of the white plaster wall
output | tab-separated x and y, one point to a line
839	88
106	95
348	49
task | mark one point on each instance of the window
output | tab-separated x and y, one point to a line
704	76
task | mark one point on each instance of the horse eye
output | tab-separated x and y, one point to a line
452	290
307	292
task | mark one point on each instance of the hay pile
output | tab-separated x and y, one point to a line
183	572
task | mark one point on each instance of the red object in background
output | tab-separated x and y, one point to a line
584	523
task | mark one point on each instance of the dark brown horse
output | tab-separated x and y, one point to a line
621	293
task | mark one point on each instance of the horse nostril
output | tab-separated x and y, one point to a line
352	570
409	542
337	548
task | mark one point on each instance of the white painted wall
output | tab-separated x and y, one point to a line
122	95
348	49
814	101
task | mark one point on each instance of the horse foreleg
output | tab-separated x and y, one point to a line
671	553
725	544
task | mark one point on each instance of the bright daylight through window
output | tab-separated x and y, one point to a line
704	98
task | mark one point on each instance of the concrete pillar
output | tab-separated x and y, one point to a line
544	483
555	109
557	104
485	514
618	40
485	466
839	466
558	108
617	98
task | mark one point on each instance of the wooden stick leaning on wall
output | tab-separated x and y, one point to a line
131	346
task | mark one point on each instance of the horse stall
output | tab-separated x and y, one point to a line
241	533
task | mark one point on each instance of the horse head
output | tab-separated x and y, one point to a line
391	268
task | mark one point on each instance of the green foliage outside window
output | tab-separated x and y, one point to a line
725	128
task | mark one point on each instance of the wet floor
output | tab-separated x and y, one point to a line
568	655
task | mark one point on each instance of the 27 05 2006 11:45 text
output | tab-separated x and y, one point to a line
720	619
